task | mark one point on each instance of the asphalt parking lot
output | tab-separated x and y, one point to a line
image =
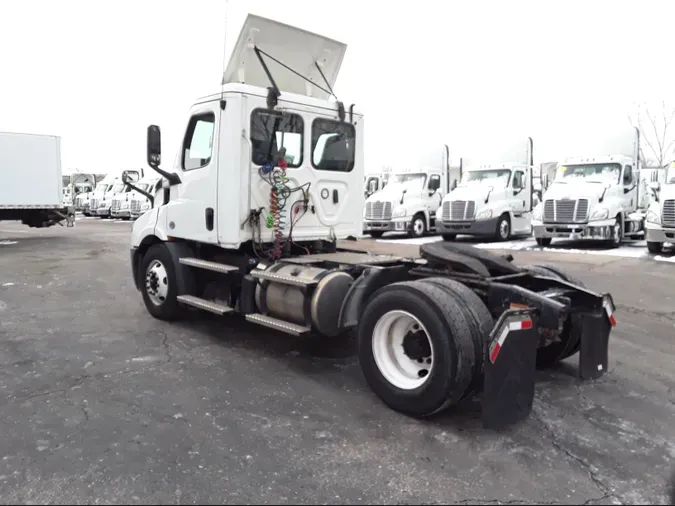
100	403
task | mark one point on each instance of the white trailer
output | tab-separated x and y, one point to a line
599	196
270	177
492	200
31	189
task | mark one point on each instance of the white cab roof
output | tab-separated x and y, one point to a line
297	49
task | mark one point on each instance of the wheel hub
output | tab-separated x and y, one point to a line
156	283
416	345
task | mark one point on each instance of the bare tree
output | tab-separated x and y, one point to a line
657	131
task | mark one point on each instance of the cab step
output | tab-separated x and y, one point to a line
208	265
276	324
284	280
204	304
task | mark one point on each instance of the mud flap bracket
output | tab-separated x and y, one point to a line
510	367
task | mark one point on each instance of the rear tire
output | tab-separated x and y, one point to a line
543	241
376	235
159	285
654	247
390	369
449	237
570	338
481	324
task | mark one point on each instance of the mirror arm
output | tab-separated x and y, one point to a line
172	177
151	198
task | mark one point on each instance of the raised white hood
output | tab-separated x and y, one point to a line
575	190
297	49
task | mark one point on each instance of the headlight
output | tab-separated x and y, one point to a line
484	214
652	217
399	212
536	212
600	214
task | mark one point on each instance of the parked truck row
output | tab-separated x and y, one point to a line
603	196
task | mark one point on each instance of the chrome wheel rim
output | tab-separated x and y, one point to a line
157	283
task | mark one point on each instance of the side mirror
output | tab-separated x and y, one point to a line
627	179
154	146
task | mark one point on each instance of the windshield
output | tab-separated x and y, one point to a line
670	175
142	186
496	177
101	187
118	188
591	172
409	180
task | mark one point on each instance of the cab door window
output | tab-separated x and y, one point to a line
518	180
198	142
628	175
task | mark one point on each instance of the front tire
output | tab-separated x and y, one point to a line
543	241
415	348
418	226
376	235
654	247
159	285
503	231
449	237
617	234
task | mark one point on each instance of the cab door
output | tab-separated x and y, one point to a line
191	212
629	183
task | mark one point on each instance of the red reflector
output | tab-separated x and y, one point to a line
612	320
526	324
494	352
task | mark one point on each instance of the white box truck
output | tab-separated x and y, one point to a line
31	189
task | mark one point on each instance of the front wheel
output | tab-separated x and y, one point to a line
158	285
376	235
418	226
543	241
449	237
654	247
504	228
617	235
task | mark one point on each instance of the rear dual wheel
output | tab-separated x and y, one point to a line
418	346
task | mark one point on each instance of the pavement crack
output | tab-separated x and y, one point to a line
592	474
479	500
665	315
165	345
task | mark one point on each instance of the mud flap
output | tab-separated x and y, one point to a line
594	351
510	366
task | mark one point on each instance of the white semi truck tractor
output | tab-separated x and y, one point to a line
493	200
598	196
250	222
660	219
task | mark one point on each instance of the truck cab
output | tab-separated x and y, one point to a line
492	200
409	201
101	202
139	203
594	197
374	183
660	219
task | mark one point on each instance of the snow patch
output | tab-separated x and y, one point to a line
7	243
8	284
660	258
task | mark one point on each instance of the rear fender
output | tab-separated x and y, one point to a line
370	280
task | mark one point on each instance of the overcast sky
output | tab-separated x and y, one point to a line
98	72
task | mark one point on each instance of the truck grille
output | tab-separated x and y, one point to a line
566	211
93	203
116	204
458	210
135	206
378	211
668	213
79	201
